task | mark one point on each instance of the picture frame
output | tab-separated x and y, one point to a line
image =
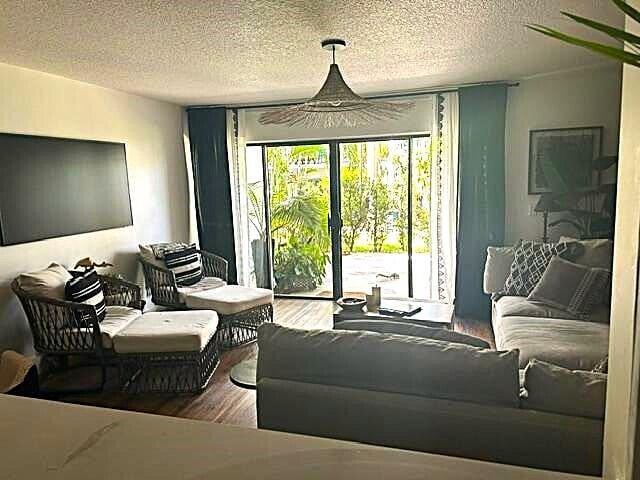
570	152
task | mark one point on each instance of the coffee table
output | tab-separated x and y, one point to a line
243	374
433	314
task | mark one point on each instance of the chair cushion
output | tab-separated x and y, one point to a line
206	283
572	344
229	299
116	319
187	331
521	307
389	363
569	392
185	264
399	327
49	282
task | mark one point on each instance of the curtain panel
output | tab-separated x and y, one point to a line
212	184
481	187
444	196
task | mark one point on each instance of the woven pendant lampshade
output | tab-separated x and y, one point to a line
335	105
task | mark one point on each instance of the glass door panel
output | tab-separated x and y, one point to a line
257	224
421	218
298	177
374	213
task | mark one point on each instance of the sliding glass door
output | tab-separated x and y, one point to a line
336	218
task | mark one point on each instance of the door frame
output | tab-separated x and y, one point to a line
335	196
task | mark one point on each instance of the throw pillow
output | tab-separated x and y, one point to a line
85	287
49	282
554	389
185	264
530	260
497	268
571	287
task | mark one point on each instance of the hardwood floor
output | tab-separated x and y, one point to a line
222	401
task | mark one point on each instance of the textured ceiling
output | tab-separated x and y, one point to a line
197	51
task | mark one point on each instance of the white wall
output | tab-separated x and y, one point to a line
36	103
582	98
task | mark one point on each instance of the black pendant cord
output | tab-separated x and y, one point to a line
333	51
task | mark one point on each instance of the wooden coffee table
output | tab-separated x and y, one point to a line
433	314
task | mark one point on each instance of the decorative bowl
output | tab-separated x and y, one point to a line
351	304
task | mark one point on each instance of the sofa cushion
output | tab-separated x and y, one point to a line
206	283
522	307
182	331
530	260
229	299
389	363
412	329
116	319
49	282
568	286
497	268
554	389
573	344
596	253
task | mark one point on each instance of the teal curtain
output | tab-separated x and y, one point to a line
208	140
481	192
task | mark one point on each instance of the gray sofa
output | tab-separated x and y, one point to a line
545	333
422	394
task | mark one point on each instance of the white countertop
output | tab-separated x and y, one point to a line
50	440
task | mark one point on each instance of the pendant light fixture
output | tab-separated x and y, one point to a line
335	105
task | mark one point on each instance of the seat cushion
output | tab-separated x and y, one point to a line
187	331
205	283
572	344
229	299
521	307
115	320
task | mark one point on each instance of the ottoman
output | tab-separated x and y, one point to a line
241	311
173	351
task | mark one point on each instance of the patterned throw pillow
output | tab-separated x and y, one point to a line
85	287
574	288
185	264
531	259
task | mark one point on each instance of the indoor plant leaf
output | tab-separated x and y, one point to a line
613	32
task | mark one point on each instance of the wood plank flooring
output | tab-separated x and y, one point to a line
222	401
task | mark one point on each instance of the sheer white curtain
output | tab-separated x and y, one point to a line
444	196
238	177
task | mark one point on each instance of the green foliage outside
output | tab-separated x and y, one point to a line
374	189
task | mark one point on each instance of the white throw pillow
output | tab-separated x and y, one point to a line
497	268
49	282
146	252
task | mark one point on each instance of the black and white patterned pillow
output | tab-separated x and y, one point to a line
531	259
85	287
185	264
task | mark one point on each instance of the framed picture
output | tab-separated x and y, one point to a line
562	158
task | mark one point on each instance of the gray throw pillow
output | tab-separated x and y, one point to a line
574	288
402	327
529	263
550	388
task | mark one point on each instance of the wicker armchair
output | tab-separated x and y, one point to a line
161	282
61	328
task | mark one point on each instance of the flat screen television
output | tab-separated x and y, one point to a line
53	187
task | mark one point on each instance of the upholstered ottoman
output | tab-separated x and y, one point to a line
241	311
173	351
